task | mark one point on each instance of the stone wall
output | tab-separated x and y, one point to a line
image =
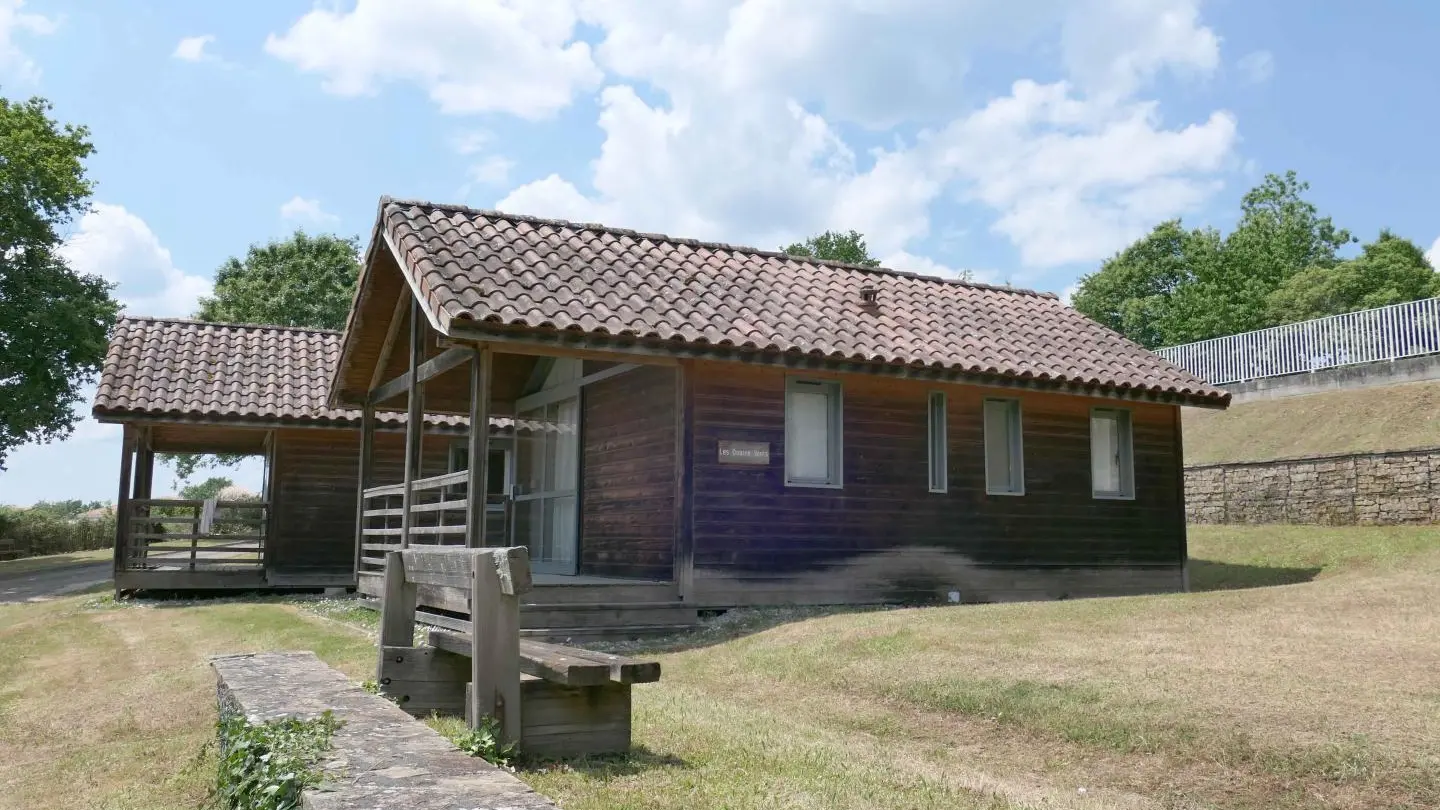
1377	489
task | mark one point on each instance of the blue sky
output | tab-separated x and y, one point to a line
1021	141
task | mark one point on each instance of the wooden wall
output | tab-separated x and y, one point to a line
628	475
315	490
884	535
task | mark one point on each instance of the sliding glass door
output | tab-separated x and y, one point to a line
547	478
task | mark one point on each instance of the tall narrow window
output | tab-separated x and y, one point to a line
812	433
1112	467
939	456
1004	449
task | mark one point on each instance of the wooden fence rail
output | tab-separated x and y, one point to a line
193	534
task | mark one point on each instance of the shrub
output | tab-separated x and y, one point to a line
484	742
266	766
38	531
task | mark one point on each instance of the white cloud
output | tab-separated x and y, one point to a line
1073	180
114	243
1114	47
492	171
193	49
1257	67
305	210
15	65
910	263
1433	254
472	142
745	140
514	56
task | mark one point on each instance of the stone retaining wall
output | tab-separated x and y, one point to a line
1371	489
380	758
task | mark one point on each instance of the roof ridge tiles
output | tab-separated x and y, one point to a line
701	243
160	319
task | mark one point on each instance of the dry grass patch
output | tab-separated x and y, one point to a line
110	707
1324	693
1363	420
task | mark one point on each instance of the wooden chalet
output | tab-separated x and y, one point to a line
713	426
187	387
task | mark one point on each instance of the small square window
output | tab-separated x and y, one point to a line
812	433
1004	448
1112	465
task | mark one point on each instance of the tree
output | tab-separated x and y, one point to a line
1134	291
53	321
836	247
1279	235
1176	286
1390	270
205	490
300	281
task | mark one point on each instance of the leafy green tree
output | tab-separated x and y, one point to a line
300	281
1177	286
836	247
205	490
53	321
1279	235
1134	292
1390	270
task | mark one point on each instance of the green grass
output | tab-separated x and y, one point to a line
51	562
1320	694
1365	420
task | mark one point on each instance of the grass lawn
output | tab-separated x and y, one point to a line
1320	693
1359	420
32	565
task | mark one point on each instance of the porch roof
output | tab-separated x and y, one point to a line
231	374
485	273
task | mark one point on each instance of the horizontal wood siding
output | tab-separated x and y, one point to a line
316	479
754	533
628	470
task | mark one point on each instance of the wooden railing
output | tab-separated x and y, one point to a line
193	534
439	509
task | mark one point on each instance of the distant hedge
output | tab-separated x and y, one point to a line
35	533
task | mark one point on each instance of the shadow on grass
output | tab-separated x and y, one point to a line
1208	575
609	766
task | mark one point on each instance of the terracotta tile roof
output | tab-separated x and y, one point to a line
516	271
233	373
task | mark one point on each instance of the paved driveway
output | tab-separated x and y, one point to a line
53	581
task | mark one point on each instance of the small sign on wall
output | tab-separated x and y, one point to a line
749	453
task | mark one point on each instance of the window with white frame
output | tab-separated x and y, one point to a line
1004	448
939	453
812	433
1112	465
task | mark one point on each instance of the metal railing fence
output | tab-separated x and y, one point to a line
1386	333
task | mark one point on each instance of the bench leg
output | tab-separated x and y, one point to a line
570	721
424	680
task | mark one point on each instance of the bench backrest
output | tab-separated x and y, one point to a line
485	583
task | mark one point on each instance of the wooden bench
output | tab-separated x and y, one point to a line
10	550
551	699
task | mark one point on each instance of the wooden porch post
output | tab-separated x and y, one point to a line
479	449
366	478
415	426
122	502
144	466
